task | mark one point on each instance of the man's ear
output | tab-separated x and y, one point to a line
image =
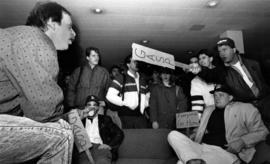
50	25
234	50
211	59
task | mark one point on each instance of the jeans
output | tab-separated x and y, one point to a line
22	139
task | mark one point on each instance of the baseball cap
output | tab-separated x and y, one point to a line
92	98
221	88
226	41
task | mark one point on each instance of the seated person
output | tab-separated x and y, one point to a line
229	131
104	135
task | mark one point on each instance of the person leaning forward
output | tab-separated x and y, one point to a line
242	75
30	99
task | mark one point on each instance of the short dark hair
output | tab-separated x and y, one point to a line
204	51
43	11
113	67
89	49
127	59
166	70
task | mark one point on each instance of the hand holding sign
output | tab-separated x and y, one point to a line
152	56
187	120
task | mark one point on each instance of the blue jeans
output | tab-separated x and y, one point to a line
22	139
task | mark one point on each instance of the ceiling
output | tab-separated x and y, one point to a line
171	26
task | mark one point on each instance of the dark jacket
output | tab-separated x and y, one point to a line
165	102
229	76
85	81
110	134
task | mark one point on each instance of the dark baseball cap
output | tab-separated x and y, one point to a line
226	41
92	98
221	88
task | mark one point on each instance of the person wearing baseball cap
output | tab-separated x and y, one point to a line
221	88
243	76
229	130
226	41
104	135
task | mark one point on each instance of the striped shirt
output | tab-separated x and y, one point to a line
134	97
200	96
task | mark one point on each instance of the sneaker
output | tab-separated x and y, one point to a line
196	161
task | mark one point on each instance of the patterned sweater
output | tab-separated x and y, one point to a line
28	73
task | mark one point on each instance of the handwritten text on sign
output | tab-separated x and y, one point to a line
187	119
80	136
151	56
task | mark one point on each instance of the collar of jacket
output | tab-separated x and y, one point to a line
239	59
130	74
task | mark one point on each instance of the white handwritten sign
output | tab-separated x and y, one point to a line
80	136
152	56
187	119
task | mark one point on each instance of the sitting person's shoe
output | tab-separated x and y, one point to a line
196	161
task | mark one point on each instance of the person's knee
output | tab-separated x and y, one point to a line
172	135
66	138
69	135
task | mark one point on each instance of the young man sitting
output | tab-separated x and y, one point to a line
229	132
104	135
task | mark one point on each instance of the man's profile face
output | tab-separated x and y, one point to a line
226	53
93	58
63	33
133	65
222	99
